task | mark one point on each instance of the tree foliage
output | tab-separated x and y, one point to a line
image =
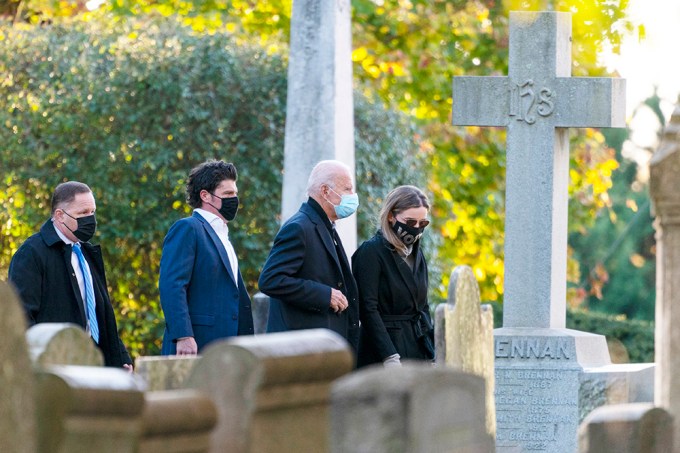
130	109
406	53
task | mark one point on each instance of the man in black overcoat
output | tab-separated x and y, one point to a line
60	276
307	274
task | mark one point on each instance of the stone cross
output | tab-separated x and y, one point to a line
537	102
319	108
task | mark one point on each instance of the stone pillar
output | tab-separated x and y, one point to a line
320	107
664	189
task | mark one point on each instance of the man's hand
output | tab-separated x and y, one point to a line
128	367
187	346
338	301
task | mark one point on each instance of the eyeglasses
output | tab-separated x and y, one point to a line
414	222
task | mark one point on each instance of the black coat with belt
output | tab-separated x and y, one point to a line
393	303
42	273
302	268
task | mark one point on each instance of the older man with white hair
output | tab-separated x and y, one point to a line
307	274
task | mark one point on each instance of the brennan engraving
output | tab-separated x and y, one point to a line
538	348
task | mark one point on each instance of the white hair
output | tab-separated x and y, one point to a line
325	172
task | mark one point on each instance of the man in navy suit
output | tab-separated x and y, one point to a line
307	275
202	292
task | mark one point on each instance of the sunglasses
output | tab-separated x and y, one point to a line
416	223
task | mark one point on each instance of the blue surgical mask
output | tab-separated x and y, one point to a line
348	204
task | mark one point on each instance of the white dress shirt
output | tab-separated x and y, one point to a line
222	230
78	272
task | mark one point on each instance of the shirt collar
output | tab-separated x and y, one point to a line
213	220
61	235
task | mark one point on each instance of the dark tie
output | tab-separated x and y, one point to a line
89	294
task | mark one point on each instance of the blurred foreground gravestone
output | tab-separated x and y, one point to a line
413	408
62	344
17	386
272	392
627	428
88	409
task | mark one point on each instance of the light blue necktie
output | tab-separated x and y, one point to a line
89	294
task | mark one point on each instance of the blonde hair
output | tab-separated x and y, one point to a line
398	200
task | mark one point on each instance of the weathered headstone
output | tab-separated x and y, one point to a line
260	312
177	421
62	344
165	372
88	409
627	428
538	361
415	408
464	334
272	391
663	188
320	107
17	402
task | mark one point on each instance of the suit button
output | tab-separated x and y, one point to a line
339	284
234	317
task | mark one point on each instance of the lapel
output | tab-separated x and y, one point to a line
52	239
218	244
322	231
408	275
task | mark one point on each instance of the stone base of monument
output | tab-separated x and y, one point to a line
538	378
616	384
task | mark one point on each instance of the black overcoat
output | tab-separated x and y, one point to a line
302	268
42	273
393	303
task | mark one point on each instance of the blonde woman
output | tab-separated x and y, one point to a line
391	274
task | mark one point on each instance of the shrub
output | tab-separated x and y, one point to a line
130	109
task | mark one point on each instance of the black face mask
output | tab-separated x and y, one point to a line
228	208
86	227
407	234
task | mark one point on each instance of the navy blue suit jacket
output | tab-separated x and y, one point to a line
300	272
199	294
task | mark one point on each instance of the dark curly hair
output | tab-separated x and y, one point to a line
207	176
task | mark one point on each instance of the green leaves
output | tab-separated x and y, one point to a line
129	110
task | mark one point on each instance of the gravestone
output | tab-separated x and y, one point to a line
88	409
62	344
464	334
414	408
664	169
539	361
260	312
320	107
177	421
272	392
17	402
165	372
627	428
